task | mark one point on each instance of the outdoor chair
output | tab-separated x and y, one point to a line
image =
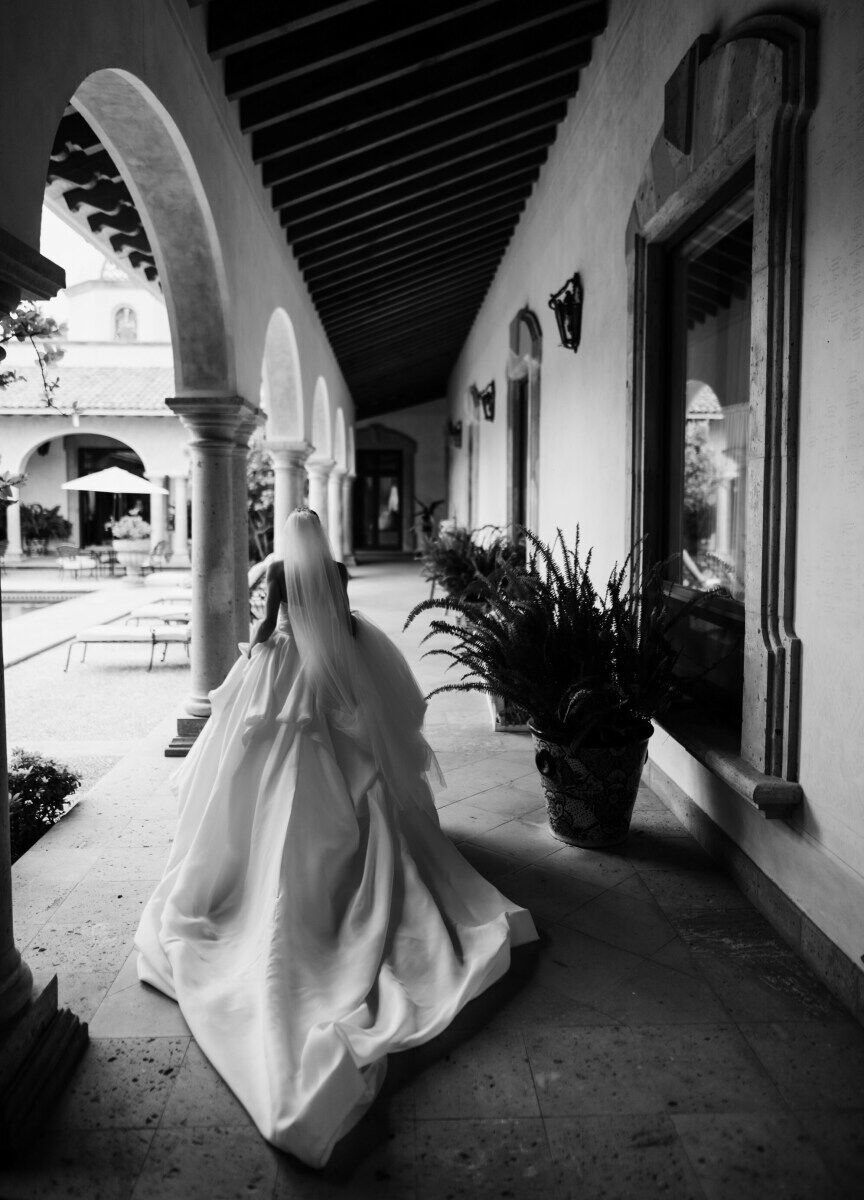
158	558
71	561
170	613
160	635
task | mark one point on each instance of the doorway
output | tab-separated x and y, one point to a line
381	500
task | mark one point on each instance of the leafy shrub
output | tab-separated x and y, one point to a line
467	563
39	524
39	793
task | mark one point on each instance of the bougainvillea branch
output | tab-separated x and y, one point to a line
26	324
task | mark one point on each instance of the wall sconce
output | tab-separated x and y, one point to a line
454	434
486	399
567	306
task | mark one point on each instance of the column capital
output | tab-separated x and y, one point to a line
320	467
214	420
247	426
286	453
338	472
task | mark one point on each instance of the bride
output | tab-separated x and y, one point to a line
313	917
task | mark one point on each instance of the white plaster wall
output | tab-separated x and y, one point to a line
88	311
576	220
158	441
162	43
425	423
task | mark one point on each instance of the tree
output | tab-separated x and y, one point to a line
27	324
259	489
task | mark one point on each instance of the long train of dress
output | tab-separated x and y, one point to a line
309	921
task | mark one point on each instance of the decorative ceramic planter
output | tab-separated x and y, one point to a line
590	793
131	553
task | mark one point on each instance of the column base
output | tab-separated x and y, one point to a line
188	729
39	1050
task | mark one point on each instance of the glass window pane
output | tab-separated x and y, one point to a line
716	270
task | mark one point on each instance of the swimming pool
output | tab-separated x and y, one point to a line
16	604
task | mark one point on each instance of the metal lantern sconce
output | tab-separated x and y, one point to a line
454	434
567	306
485	399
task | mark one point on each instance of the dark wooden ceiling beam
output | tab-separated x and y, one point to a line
438	365
374	173
342	206
389	32
514	180
441	332
353	155
370	283
365	317
405	285
449	295
448	306
386	41
232	27
403	391
370	89
404	251
319	136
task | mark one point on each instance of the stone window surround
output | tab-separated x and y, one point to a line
735	107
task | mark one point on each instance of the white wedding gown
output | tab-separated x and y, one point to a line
310	921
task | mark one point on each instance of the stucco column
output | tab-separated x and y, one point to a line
289	479
240	505
16	981
180	536
348	518
213	425
334	510
158	513
15	549
318	470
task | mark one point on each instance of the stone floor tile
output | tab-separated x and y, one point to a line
85	961
482	1160
815	1064
839	1138
532	1007
492	866
121	1083
768	987
651	815
676	954
603	868
205	1164
622	919
579	966
754	1155
81	1165
376	1161
509	799
656	995
201	1097
487	1075
36	901
655	850
529	841
648	1069
618	1157
462	820
137	1010
549	895
688	893
104	902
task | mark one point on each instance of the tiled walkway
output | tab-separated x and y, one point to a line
660	1040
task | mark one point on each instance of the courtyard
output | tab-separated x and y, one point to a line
660	1040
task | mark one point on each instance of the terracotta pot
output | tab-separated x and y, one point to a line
590	793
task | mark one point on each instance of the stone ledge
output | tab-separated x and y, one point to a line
772	797
840	974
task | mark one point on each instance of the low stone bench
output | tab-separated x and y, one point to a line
161	635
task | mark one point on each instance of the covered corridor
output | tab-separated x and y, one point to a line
662	1040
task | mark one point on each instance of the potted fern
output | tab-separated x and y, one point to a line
590	668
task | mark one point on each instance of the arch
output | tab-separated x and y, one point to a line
157	167
52	436
523	419
322	432
340	447
281	382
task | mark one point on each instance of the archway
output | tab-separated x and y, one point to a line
523	420
281	382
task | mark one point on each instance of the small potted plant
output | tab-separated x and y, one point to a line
40	525
130	541
591	669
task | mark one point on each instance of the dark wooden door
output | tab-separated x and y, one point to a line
380	500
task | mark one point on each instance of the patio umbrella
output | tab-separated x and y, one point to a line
115	479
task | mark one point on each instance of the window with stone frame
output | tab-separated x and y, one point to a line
714	254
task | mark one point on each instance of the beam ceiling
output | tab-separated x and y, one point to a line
400	144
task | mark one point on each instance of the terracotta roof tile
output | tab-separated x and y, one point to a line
96	389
